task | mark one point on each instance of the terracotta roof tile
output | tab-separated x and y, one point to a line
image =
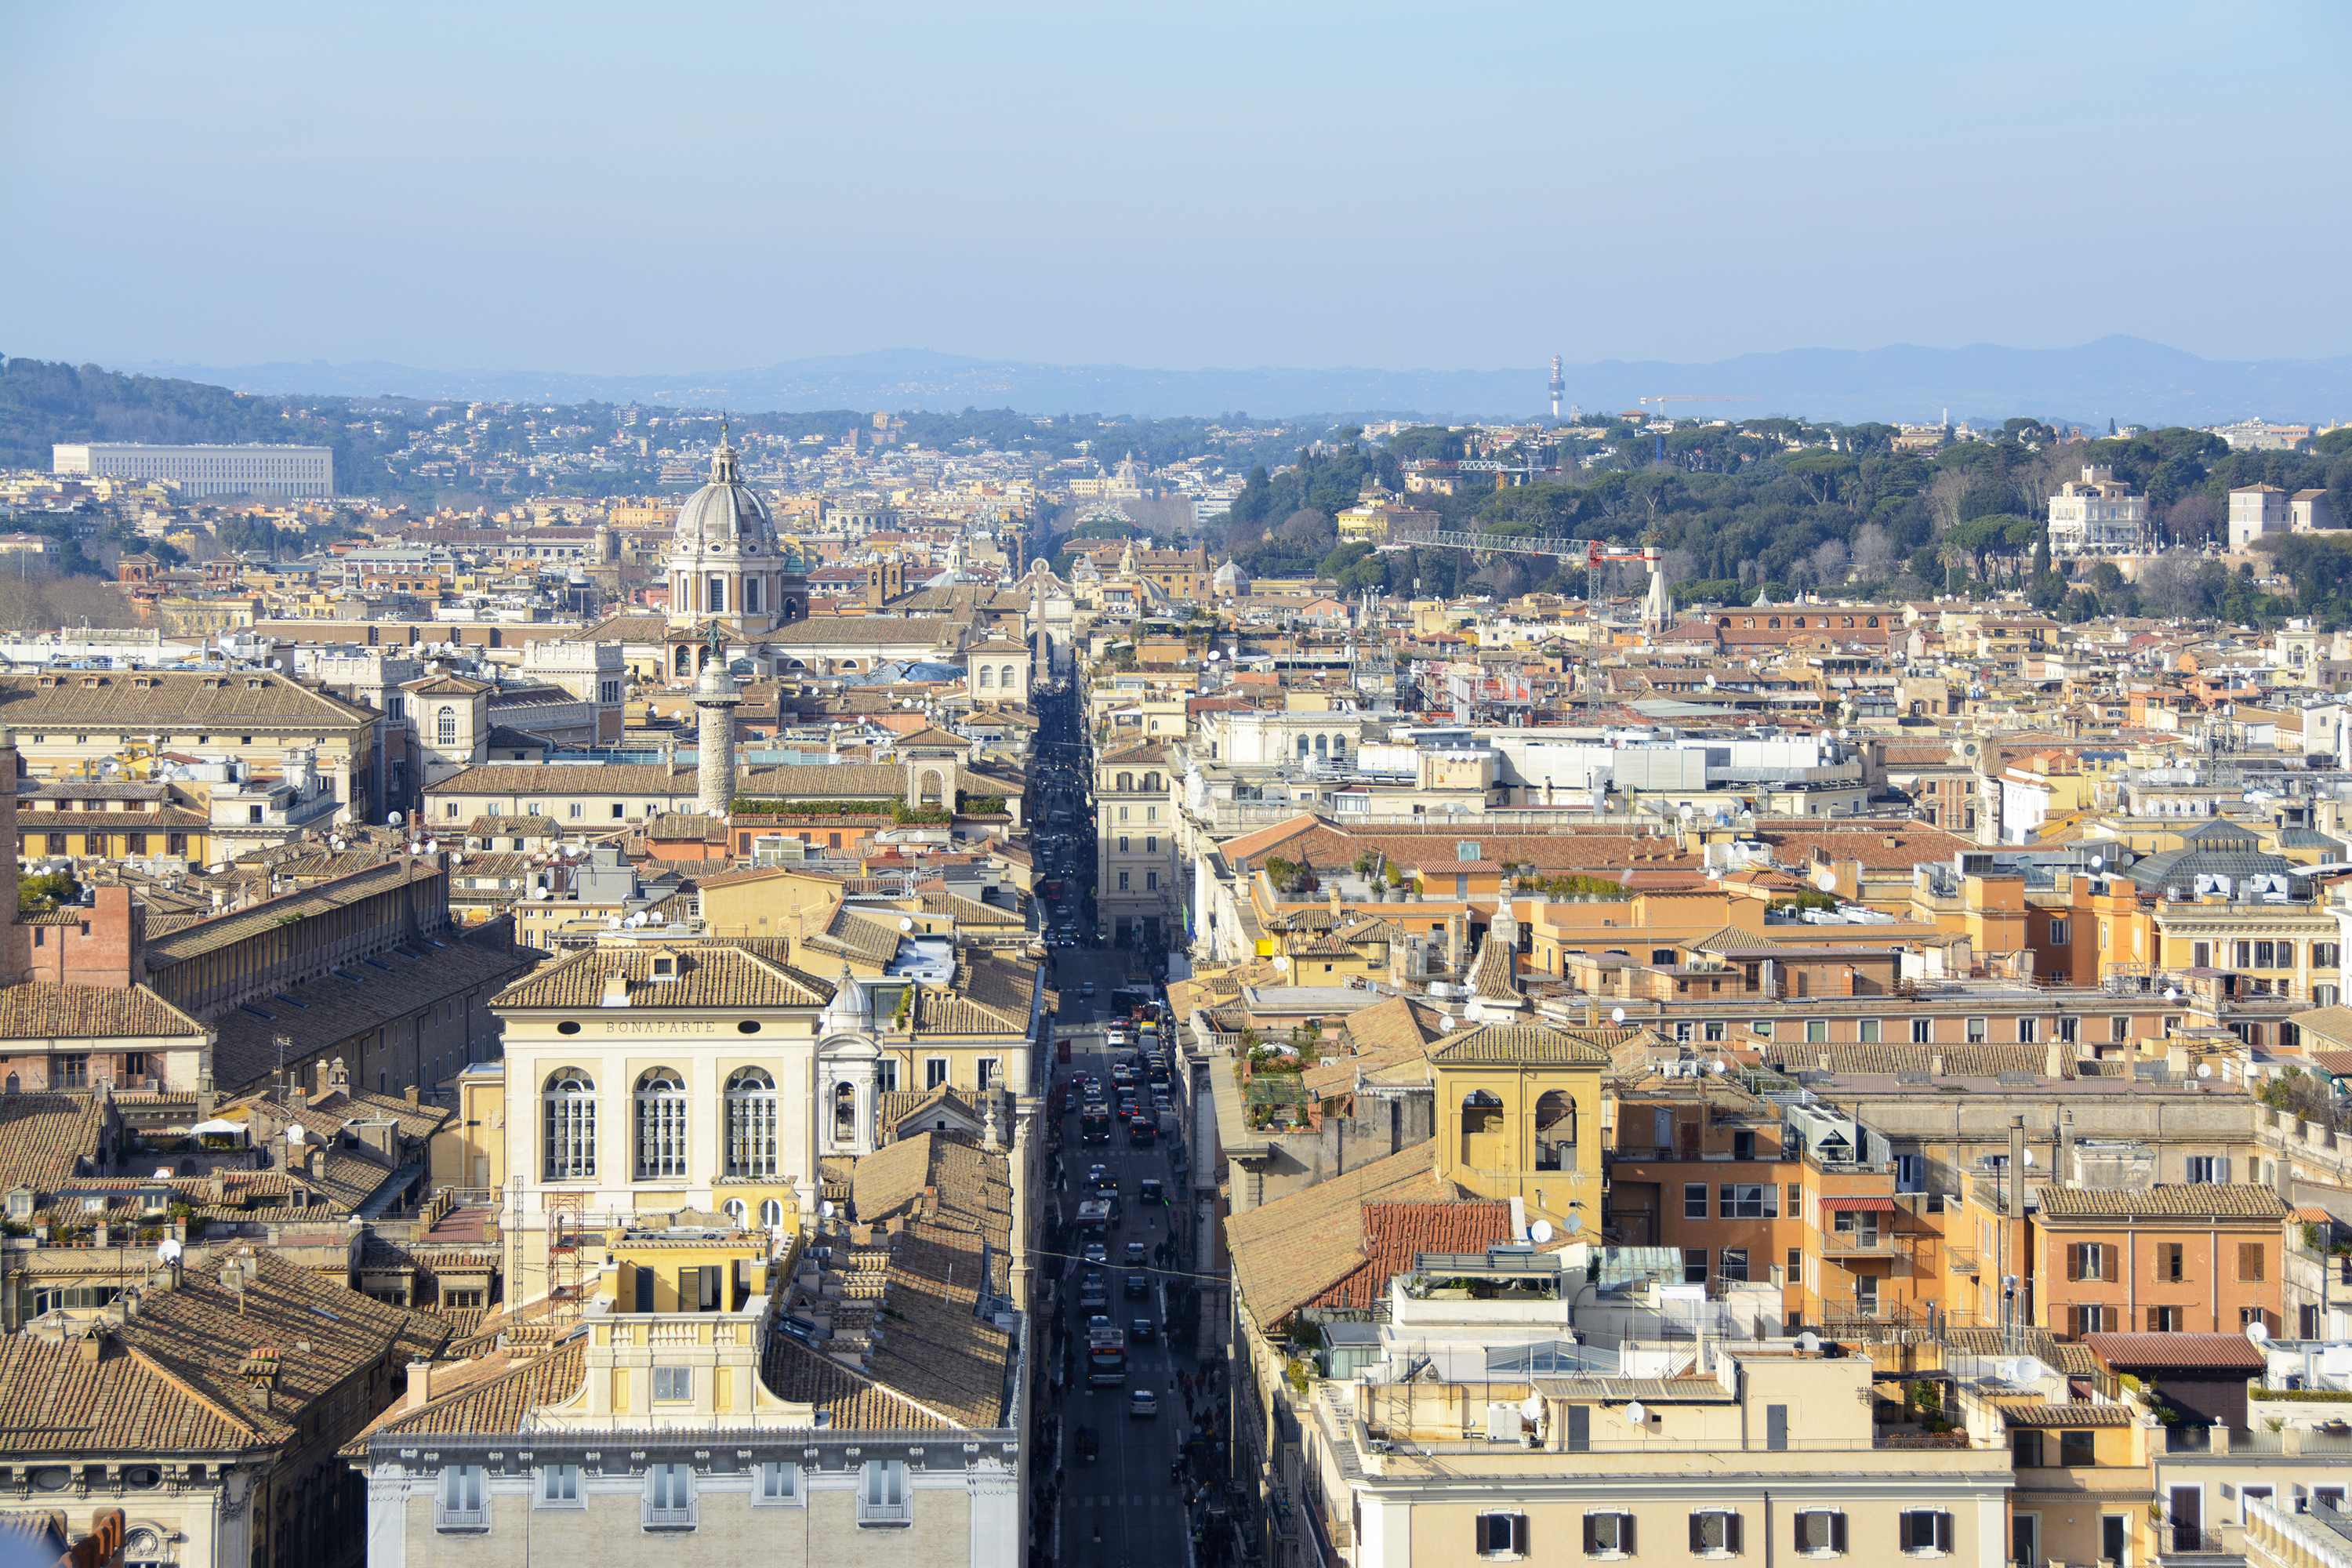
42	1009
713	975
2194	1200
2229	1351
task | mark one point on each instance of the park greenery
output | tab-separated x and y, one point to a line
1779	507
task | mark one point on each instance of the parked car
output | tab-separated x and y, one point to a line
1142	1402
1140	1331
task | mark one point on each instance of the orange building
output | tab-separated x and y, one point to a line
2198	1258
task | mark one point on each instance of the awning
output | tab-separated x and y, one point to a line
217	1127
1849	1205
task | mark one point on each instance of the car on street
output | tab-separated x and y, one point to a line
1069	1097
1090	1444
1091	1292
1138	1286
1086	989
1095	1252
1136	1254
1150	1192
1142	1402
1139	1333
1097	1174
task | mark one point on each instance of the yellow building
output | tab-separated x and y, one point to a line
1518	1116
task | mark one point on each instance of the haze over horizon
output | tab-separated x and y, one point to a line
608	192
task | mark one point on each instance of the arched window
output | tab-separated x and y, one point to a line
772	1213
1555	1128
1007	680
1338	746
570	1101
987	675
751	1123
685	661
1126	783
738	1212
661	1124
445	727
1304	747
1481	1112
1322	745
844	1114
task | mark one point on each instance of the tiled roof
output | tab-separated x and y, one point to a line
494	1393
44	1138
850	930
2194	1200
2077	1412
171	1377
42	1009
350	1000
172	819
1491	972
146	700
852	1401
1395	1235
606	778
1288	1251
324	899
2187	1351
708	976
1506	1043
1987	1060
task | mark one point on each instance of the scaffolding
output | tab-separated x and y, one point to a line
567	1265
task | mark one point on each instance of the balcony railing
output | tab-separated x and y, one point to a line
1867	1243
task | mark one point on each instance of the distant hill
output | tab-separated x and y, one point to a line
2126	379
42	403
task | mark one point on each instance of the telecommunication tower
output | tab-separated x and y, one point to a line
1557	386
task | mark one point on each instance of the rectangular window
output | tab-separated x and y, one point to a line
1869	1028
1820	1529
559	1486
1693	1264
2171	1262
1502	1535
1607	1534
776	1482
2208	1168
1122	881
457	1502
1748	1200
1715	1533
1151	843
1735	1265
1796	1265
2028	1031
1925	1530
2326	954
1122	844
2062	933
1816	1031
2160	1321
1714	1030
2069	1029
2078	1448
2091	1260
882	1493
673	1382
669	1496
2025	1449
2250	1262
577	808
1976	1031
935	1072
2118	1028
1151	885
1923	1031
1694	1200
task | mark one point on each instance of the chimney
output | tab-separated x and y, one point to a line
339	1078
617	990
298	1098
93	1345
409	1094
2066	1170
1935	1064
420	1385
2053	1062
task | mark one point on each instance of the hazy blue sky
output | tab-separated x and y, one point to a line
666	187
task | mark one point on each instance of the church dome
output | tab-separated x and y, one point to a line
726	513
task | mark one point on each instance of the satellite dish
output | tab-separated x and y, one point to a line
2029	1369
906	922
2204	1069
1616	1014
1532	1407
1808	1342
1825	879
2029	1159
824	1209
167	1251
1634	1415
1572	1223
1282	962
393	817
1539	1232
433	846
2171	994
2098	863
293	1132
1716	1067
2257	1332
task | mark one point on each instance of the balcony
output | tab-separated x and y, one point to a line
1857	1243
1964	1259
